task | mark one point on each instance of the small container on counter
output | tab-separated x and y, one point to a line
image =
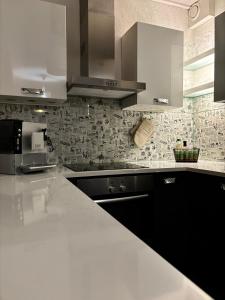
186	155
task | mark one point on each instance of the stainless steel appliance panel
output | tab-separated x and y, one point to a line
12	164
9	163
97	53
128	198
97	186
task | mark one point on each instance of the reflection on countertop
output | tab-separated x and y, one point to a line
56	243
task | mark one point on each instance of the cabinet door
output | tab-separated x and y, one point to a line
160	65
170	226
154	55
218	259
189	227
135	214
205	251
32	49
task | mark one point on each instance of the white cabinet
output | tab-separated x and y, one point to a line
154	55
32	52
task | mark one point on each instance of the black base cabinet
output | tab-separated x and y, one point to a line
170	218
189	227
181	215
134	215
206	251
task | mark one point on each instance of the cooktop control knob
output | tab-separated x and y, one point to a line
123	188
112	189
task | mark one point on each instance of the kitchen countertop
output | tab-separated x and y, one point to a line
56	243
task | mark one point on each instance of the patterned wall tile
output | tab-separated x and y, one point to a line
209	127
98	130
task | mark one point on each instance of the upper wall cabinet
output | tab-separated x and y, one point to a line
32	52
154	55
219	86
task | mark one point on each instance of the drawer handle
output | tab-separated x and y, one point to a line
171	180
31	91
144	196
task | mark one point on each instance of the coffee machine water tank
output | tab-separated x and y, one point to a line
37	141
33	138
35	147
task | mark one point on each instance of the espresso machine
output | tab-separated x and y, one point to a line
23	147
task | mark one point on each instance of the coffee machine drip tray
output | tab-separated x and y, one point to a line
36	168
13	164
34	162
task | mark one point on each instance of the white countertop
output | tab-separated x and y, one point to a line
56	243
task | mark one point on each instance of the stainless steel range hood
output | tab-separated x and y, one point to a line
97	55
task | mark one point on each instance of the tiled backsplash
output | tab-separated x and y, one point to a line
96	130
209	127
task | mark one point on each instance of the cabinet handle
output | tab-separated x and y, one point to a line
171	180
31	91
122	199
223	186
161	100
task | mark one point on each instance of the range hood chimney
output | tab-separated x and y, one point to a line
97	55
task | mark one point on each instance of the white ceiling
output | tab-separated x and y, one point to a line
180	3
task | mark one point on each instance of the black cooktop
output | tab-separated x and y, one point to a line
102	166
